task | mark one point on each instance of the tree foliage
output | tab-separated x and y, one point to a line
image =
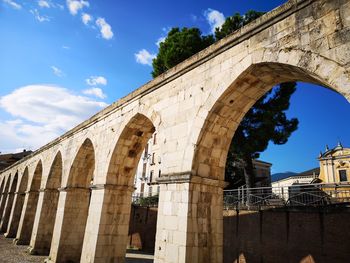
178	46
266	121
235	22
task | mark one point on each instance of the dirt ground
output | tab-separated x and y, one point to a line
10	253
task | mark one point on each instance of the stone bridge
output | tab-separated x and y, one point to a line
71	198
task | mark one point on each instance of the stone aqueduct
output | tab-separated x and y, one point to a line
71	198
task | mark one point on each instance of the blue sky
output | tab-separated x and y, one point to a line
62	61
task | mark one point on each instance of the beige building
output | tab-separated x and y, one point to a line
148	170
335	165
262	173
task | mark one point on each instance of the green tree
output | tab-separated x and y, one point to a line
178	46
235	22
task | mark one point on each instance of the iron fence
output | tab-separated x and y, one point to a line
295	195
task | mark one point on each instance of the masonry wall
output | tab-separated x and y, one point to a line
299	235
303	235
142	228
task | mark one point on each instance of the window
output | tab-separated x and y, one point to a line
153	158
158	189
146	151
144	170
150	176
142	189
342	176
159	173
155	139
150	191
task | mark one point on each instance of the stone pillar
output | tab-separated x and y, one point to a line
69	230
7	211
44	222
27	219
106	235
2	203
15	215
190	220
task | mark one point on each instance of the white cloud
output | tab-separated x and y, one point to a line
39	17
13	4
214	18
75	5
86	18
194	18
144	57
164	35
44	4
41	113
160	40
65	47
96	80
97	92
57	71
105	28
49	4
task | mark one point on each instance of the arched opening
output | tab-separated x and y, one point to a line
17	206
31	200
215	138
40	241
2	185
9	202
224	117
6	182
76	198
128	150
119	188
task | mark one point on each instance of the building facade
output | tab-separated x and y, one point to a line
148	170
262	173
335	165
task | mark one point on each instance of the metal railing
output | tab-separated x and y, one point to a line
291	196
295	195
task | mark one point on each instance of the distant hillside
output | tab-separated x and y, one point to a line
279	176
8	159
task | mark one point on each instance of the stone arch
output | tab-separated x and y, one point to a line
84	161
17	207
228	110
40	241
128	149
76	198
30	206
312	67
112	214
6	181
36	180
54	180
9	202
2	185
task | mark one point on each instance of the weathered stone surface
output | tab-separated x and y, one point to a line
195	108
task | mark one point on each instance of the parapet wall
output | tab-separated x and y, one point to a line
303	235
299	235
